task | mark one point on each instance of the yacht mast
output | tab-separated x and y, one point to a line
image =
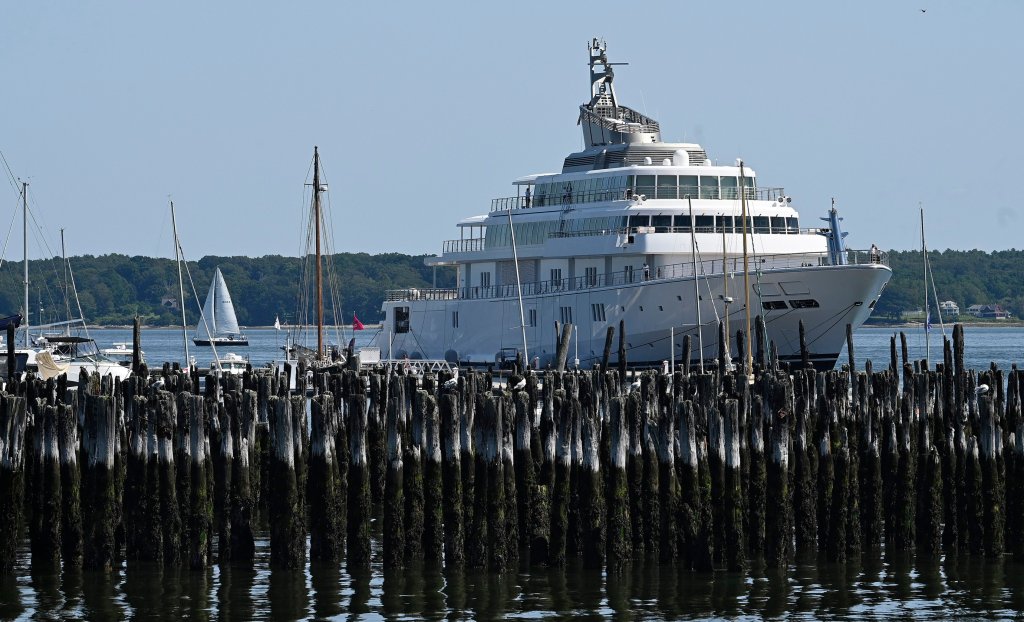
181	285
696	284
746	270
319	276
24	235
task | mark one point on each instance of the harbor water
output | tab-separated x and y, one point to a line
887	586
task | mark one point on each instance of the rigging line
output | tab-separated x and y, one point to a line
707	284
78	303
10	174
10	229
195	296
838	315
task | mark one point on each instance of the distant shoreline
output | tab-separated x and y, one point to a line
1000	324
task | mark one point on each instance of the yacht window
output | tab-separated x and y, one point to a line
708	187
639	221
401	319
807	303
729	188
627	274
485	279
645	185
667	187
725	223
682	222
661	224
774	305
761	224
556	277
793	224
688	186
591	274
704	224
531	318
778	224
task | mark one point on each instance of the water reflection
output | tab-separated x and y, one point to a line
894	585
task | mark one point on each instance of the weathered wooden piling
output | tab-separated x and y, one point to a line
326	535
394	535
560	493
990	445
98	482
46	514
412	464
591	496
359	503
451	475
70	479
13	423
619	538
433	485
735	540
285	550
778	499
200	515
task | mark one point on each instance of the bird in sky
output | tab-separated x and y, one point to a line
924	10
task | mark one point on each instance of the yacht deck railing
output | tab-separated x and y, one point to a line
629	276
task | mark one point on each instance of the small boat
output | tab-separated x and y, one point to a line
218	324
121	353
230	364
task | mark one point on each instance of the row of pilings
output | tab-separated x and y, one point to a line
704	470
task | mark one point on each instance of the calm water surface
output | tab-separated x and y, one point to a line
811	589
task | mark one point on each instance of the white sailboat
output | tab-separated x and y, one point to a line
218	324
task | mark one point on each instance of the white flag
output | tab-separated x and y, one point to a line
277	323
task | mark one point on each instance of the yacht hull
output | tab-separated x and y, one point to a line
656	314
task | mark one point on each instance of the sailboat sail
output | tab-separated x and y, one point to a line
219	318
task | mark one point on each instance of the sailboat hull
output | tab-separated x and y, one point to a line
221	341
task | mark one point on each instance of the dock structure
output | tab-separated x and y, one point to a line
717	469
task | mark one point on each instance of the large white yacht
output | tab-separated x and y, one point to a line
643	231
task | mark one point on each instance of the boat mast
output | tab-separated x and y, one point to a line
924	256
319	276
67	299
24	235
746	269
696	284
181	285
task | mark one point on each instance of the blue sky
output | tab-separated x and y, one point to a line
424	112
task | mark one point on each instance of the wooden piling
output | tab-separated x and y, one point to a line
70	480
394	535
619	538
98	485
735	542
13	423
285	551
326	539
359	504
46	515
433	484
454	530
591	496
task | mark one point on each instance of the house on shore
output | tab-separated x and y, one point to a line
988	312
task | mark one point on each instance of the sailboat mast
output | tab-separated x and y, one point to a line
24	235
924	257
181	285
696	284
319	275
746	268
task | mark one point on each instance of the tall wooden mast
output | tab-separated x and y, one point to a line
319	275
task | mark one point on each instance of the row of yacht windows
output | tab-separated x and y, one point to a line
606	188
680	223
530	233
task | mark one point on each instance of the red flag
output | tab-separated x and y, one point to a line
356	324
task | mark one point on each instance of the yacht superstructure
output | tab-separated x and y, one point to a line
642	231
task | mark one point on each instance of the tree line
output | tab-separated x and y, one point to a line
113	289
